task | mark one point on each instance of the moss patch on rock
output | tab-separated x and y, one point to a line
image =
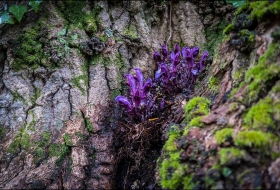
224	135
195	109
20	142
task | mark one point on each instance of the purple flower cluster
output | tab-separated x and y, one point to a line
141	102
178	70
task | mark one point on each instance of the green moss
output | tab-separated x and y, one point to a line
37	94
81	82
67	140
213	84
196	122
256	139
260	115
31	125
39	152
241	8
29	53
89	125
224	135
227	154
21	141
196	107
170	144
229	28
266	69
130	32
275	7
172	173
59	150
2	133
18	97
259	8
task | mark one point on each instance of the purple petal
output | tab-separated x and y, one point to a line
147	86
204	55
157	57
165	72
139	77
164	51
172	56
184	52
194	71
195	51
131	83
158	74
176	48
123	101
136	99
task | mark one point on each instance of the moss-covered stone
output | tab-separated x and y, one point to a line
260	115
195	109
228	154
172	173
255	139
224	135
267	69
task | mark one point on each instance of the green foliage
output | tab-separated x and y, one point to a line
18	11
35	5
21	141
6	18
223	135
228	154
256	139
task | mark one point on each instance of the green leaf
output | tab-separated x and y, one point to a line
18	11
6	18
35	5
236	3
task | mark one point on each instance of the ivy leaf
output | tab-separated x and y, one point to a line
35	5
18	11
6	18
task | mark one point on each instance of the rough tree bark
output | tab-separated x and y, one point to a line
57	82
